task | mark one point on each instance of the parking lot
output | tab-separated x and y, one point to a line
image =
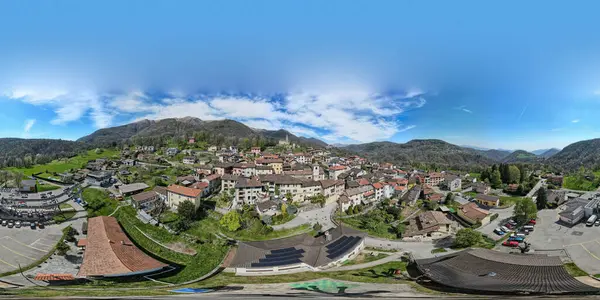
581	243
23	246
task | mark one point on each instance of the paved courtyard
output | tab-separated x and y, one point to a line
23	246
581	243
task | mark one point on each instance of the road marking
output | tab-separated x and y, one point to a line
17	253
588	251
2	261
38	249
38	242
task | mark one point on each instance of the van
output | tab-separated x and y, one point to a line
530	227
591	220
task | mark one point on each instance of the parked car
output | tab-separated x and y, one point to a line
511	244
516	238
32	225
499	231
597	223
4	222
10	224
18	224
509	226
512	222
532	221
40	225
504	228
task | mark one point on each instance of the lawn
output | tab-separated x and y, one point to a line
63	216
380	274
99	203
574	270
209	252
67	164
46	187
65	206
386	232
362	258
168	217
577	183
506	201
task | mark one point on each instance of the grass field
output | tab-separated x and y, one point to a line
99	203
380	274
362	258
46	187
506	201
356	222
66	164
209	253
580	184
574	270
64	216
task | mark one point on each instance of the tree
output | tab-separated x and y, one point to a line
495	180
525	209
520	189
449	198
231	220
187	210
62	248
467	237
288	195
159	182
542	198
350	209
317	227
181	225
277	191
17	178
284	209
514	175
523	173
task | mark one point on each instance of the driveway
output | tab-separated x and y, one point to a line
503	215
321	216
579	243
23	246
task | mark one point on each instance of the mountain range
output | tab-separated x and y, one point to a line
187	127
423	153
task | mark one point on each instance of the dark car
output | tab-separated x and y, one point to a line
40	225
32	225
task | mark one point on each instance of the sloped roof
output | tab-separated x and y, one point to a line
185	191
483	270
314	249
110	252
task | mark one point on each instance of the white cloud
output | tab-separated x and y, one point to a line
349	115
28	124
575	121
464	108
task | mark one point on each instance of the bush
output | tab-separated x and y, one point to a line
62	248
494	217
476	225
467	237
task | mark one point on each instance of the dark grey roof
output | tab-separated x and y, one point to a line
280	179
229	177
247	183
314	250
482	270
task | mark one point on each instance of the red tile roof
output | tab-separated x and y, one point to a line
369	193
213	177
82	243
400	188
53	277
337	168
199	185
378	185
110	252
185	191
363	181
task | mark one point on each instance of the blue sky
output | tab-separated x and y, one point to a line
513	74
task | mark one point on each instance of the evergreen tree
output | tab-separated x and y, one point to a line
496	180
542	198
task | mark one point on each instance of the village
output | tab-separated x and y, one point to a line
185	212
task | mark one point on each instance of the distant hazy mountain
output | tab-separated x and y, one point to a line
424	152
225	129
549	153
497	155
520	156
542	151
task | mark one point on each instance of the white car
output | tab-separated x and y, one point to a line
504	229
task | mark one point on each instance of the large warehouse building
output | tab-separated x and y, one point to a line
298	253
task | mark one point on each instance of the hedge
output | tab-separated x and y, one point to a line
494	217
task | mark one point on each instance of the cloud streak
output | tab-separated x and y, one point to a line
575	121
28	124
